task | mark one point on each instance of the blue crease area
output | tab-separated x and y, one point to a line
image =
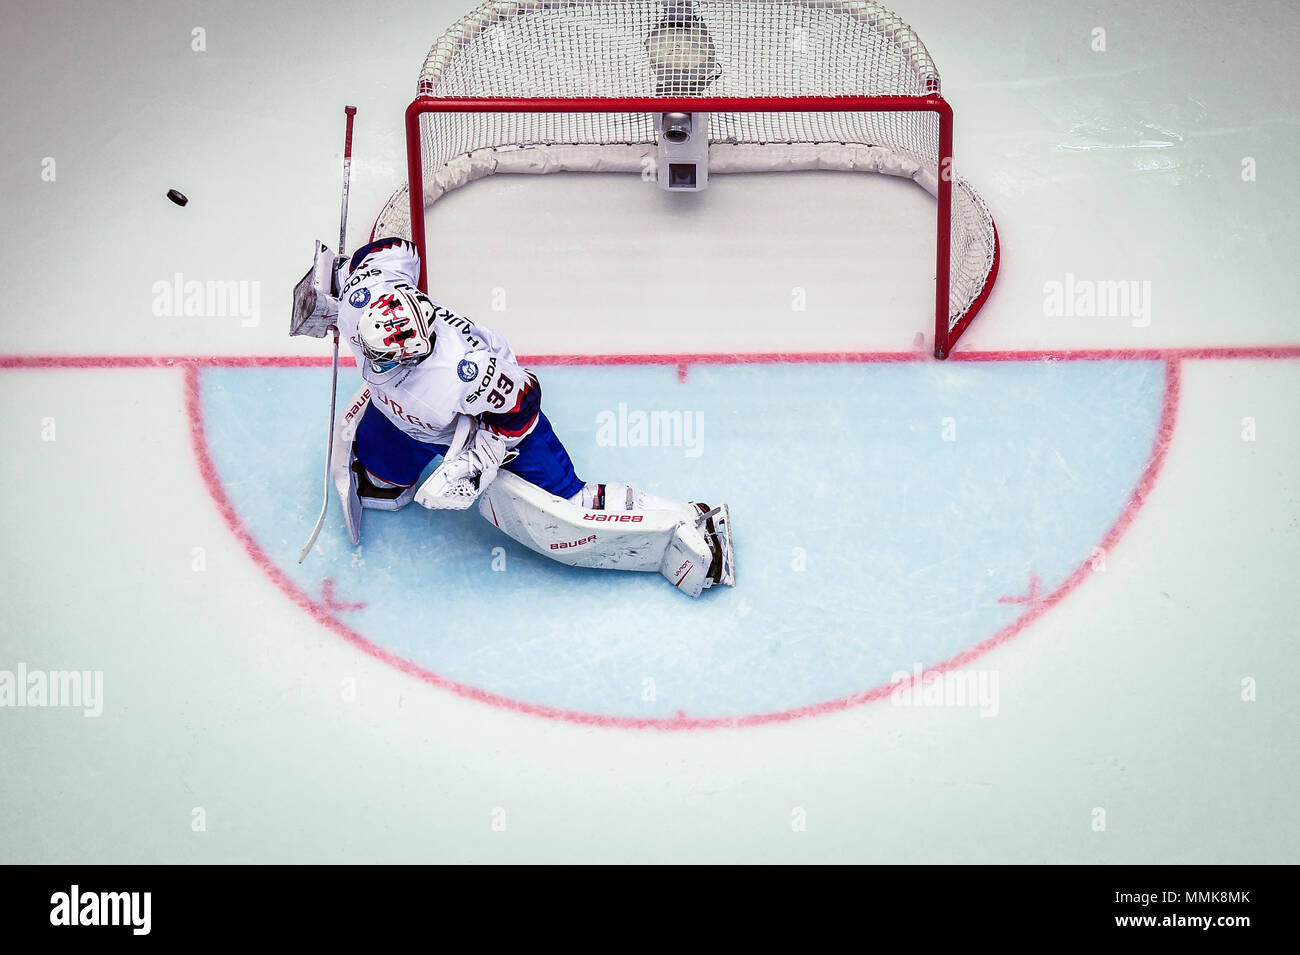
866	542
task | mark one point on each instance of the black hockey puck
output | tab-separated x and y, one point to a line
176	196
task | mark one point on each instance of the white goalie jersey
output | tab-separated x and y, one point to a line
471	370
446	382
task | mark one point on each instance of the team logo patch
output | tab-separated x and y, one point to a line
467	370
360	298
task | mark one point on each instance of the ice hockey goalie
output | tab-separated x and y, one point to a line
437	385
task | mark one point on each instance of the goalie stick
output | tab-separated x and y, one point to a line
351	112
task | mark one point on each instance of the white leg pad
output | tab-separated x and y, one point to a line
345	476
662	541
345	482
686	560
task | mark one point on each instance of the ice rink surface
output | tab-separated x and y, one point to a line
1092	521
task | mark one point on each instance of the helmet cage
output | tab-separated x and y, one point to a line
395	329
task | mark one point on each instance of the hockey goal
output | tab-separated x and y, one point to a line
690	90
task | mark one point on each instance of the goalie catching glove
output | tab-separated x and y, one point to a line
470	466
315	297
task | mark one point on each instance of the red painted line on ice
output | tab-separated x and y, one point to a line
327	597
682	361
1164	436
1035	592
98	362
320	613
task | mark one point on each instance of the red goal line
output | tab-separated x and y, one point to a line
1244	352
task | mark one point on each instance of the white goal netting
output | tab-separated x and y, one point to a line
603	49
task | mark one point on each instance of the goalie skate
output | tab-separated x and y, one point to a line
716	524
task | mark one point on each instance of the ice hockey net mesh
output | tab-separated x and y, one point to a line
579	49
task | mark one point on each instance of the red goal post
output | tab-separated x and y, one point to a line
470	119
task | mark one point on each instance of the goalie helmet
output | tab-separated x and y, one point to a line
396	329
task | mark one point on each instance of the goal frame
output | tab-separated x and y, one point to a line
945	335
